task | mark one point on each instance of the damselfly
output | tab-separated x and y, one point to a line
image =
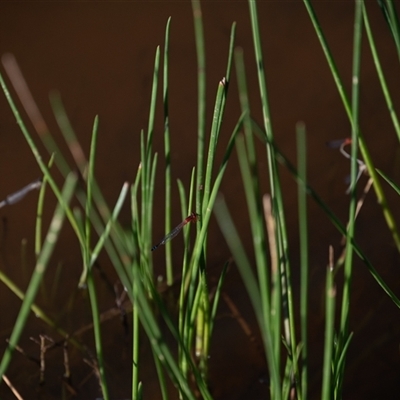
193	217
341	144
20	194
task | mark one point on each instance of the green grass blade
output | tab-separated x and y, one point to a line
111	222
218	110
390	181
201	99
217	296
167	153
348	265
39	212
197	251
381	76
303	234
277	202
88	205
155	336
393	21
330	296
230	233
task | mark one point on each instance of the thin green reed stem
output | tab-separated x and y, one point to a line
39	212
256	220
233	240
381	76
201	99
160	374
88	271
191	278
215	128
277	201
219	108
111	223
146	167
41	265
394	24
185	305
330	296
303	234
97	333
390	221
152	329
230	54
88	204
254	214
348	265
167	152
135	350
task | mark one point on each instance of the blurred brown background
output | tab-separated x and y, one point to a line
100	57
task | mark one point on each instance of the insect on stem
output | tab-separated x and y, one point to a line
20	194
341	144
193	217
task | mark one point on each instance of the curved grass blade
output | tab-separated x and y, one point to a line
381	76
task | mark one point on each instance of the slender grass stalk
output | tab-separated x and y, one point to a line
330	296
39	212
215	129
133	293
184	328
257	225
217	296
147	170
219	108
231	236
88	205
159	346
393	20
348	266
267	329
197	251
379	71
110	224
135	351
303	235
167	152
278	208
390	181
160	373
201	100
38	273
87	275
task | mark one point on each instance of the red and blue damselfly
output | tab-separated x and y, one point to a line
193	217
